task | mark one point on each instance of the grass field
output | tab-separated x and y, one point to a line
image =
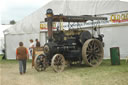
105	74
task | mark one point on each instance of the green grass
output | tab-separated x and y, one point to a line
1	56
105	74
7	61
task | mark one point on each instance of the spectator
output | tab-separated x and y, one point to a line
22	56
4	56
37	43
31	46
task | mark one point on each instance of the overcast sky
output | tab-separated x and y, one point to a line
17	9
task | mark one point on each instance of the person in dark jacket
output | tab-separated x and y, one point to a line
22	56
37	43
4	56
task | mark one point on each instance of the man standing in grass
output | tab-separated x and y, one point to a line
22	56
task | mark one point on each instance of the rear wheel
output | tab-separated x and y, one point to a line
92	52
58	63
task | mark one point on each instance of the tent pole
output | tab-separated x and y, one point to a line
39	36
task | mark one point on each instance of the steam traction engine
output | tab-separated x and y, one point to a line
73	45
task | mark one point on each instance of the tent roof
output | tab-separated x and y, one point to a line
31	23
2	28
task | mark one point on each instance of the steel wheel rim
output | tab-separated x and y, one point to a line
58	63
39	63
92	52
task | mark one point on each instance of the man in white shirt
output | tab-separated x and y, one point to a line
31	46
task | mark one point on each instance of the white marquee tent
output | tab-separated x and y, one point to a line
29	27
2	28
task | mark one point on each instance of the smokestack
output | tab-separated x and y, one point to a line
49	14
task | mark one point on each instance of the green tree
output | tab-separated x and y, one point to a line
12	22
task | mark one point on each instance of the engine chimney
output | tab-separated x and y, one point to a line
49	14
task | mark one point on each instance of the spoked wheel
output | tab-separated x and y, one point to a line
92	52
58	63
40	62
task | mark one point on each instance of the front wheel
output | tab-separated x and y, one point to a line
40	62
58	63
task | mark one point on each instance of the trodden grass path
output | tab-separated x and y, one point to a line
105	74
